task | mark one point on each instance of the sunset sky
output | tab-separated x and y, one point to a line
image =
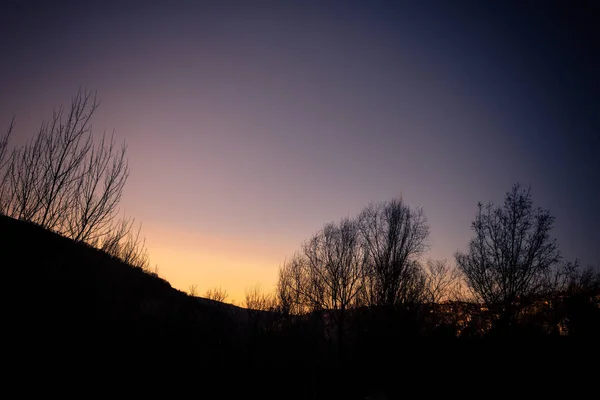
250	124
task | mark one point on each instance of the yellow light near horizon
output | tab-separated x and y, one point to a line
234	264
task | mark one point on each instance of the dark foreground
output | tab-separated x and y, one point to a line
81	323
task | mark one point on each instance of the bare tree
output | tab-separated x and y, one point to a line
97	192
372	260
394	236
126	244
193	290
256	299
216	294
25	181
333	266
291	286
572	278
67	142
111	242
512	255
326	276
133	250
443	282
60	180
260	308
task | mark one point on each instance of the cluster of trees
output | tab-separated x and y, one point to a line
66	180
367	261
373	261
367	273
357	305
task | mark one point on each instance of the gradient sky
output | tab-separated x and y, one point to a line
250	126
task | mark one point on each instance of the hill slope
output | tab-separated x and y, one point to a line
64	287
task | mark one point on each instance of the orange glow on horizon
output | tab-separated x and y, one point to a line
209	261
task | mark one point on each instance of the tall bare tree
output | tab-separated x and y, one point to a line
334	266
67	142
512	255
394	236
60	179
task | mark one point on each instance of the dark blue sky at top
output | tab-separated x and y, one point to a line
310	110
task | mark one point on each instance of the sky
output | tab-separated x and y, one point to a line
252	124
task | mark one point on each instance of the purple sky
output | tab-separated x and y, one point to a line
250	127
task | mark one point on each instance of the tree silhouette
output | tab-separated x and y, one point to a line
193	290
326	276
261	309
256	300
581	309
216	294
394	236
371	260
61	179
290	286
333	264
512	255
98	192
442	281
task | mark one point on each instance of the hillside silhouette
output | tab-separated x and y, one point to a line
71	285
68	291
